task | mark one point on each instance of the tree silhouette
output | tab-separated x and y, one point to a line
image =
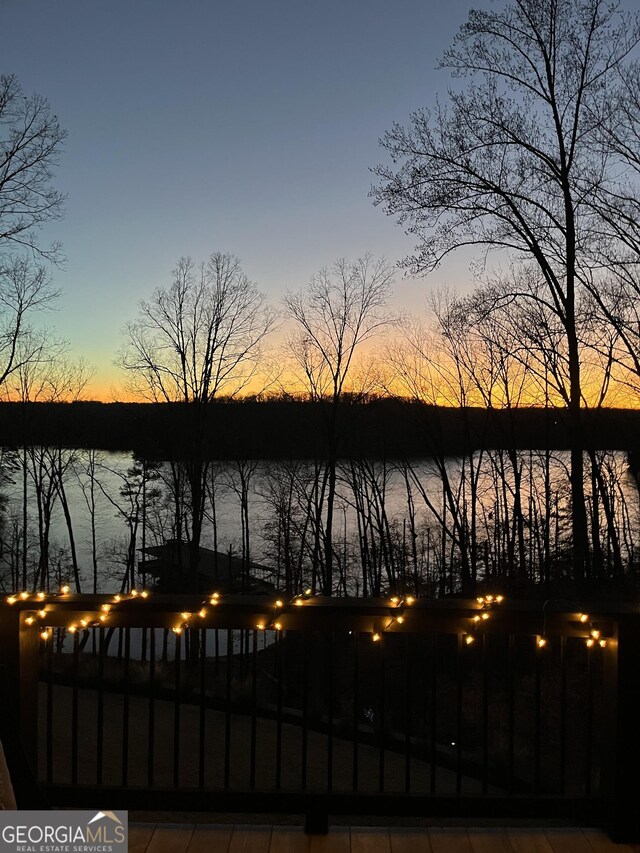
30	141
512	160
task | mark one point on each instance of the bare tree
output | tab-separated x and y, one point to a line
46	373
196	340
511	162
30	141
341	308
24	289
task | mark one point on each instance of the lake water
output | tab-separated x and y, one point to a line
389	487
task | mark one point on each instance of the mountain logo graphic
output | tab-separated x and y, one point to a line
110	815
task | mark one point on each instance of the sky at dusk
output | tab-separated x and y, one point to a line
247	127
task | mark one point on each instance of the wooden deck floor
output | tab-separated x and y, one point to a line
203	838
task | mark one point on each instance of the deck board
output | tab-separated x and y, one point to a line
568	841
289	839
140	836
489	841
221	838
170	839
250	839
529	841
368	839
601	843
449	840
337	840
210	838
410	840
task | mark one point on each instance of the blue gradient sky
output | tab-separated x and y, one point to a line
246	126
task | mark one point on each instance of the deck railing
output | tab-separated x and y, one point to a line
323	706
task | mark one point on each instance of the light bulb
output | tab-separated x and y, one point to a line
469	639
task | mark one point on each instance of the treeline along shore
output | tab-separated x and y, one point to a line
292	429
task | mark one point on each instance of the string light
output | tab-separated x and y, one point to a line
24	595
177	629
117	597
279	603
202	613
144	593
541	642
30	620
277	626
41	596
134	593
42	614
376	637
11	599
486	602
105	608
400	601
584	617
65	589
